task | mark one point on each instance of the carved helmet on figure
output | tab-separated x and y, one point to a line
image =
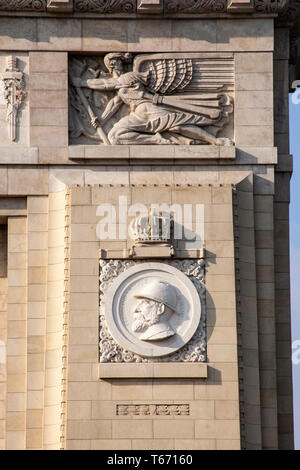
123	56
161	292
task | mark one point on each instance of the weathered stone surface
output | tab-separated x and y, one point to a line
158	119
179	73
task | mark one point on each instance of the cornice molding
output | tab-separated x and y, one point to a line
270	6
162	7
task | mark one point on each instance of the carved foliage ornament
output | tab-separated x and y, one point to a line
195	6
35	5
105	6
130	6
270	6
151	99
154	410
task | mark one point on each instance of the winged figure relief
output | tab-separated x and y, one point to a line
151	99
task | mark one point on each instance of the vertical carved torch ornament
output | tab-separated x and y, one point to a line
14	94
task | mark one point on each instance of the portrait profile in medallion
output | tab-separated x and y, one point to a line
152	309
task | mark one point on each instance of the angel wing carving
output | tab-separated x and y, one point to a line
175	73
166	76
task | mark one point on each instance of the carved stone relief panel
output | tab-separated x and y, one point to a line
152	312
171	98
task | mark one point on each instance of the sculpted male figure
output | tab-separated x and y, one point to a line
157	303
152	114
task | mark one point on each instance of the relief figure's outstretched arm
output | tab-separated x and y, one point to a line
111	108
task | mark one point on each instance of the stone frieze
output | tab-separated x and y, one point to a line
167	7
105	6
112	351
166	98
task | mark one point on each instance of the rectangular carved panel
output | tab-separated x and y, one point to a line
153	410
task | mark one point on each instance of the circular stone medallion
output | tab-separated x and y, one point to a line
152	309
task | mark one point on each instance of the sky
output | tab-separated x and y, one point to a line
295	258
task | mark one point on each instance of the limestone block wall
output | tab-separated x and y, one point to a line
33	336
51	396
36	328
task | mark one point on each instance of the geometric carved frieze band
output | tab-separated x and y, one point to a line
111	351
195	6
153	410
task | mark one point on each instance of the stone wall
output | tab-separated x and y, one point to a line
51	394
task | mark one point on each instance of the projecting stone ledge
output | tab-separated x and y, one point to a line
151	152
185	370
